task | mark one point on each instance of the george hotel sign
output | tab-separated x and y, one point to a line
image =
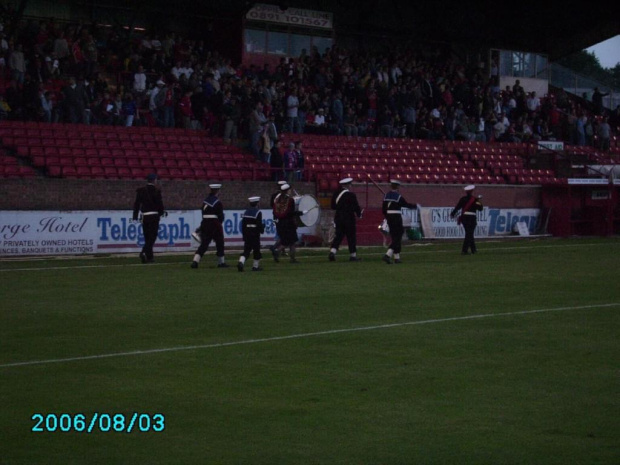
291	16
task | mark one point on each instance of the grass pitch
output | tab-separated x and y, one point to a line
509	356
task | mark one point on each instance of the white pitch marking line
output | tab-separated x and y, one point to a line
408	252
304	335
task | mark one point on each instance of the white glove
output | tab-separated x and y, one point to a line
304	212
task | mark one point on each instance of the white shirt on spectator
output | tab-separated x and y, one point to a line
139	82
177	71
292	104
154	92
396	73
533	103
319	119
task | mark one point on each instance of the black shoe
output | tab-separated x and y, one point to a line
257	269
355	259
239	266
464	253
276	255
223	265
332	257
194	264
142	257
397	261
386	259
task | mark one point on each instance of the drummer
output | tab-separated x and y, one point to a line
347	208
276	244
284	211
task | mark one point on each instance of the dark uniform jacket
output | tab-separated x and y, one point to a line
252	223
346	206
213	209
148	199
392	204
467	204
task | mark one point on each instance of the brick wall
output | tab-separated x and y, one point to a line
77	194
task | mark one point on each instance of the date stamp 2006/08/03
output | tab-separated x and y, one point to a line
98	422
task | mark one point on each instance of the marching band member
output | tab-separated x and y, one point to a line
393	202
211	227
286	215
276	245
345	203
251	227
468	205
150	203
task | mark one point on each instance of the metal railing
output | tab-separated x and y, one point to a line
582	86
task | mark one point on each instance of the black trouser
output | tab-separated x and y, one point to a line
469	223
211	230
150	226
346	229
251	243
395	223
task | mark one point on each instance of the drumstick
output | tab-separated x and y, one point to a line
376	185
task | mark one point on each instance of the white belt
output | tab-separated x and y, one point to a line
469	213
209	216
150	213
250	225
394	212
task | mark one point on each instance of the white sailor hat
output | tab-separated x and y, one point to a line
395	181
281	182
346	180
215	186
471	187
253	199
285	187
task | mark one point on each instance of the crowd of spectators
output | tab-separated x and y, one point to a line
97	75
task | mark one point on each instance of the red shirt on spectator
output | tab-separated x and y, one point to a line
186	106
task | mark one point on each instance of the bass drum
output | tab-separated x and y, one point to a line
311	206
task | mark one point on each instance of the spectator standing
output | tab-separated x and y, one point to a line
338	113
231	112
47	106
300	159
597	101
129	109
604	134
139	82
256	127
292	111
153	107
185	108
533	104
17	64
276	162
290	162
